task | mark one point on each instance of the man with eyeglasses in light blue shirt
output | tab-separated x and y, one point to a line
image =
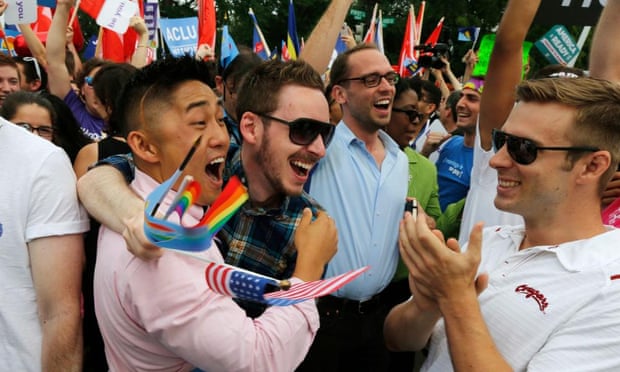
362	183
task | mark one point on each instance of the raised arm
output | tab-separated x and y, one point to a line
59	80
320	45
605	50
138	59
604	56
36	47
470	59
505	67
447	70
77	60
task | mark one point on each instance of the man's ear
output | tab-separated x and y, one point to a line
339	94
35	85
250	127
596	164
142	148
431	107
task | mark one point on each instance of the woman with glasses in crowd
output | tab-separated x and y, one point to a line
46	116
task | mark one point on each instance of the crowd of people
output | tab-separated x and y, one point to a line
504	263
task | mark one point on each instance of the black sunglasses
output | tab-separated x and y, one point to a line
524	151
412	114
304	131
374	79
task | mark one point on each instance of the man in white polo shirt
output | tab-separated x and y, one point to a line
553	295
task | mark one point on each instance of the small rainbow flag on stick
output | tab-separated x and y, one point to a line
166	234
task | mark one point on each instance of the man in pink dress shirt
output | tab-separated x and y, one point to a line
160	314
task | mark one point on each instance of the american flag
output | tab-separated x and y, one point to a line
230	281
305	291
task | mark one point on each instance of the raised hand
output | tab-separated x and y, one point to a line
316	242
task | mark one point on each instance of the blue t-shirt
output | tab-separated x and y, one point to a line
454	171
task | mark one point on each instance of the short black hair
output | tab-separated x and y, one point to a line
31	73
157	81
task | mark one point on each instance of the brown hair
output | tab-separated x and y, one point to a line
340	67
598	108
260	90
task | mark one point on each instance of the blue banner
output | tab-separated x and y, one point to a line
180	34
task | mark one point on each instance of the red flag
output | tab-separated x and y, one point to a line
92	7
120	47
406	50
112	46
370	35
44	19
206	22
285	54
434	36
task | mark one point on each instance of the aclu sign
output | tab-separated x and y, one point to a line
180	35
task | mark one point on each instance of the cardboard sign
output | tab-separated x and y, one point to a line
558	45
20	12
115	15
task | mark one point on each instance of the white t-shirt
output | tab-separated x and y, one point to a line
479	204
37	199
548	308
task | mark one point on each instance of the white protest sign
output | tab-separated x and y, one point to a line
20	12
115	14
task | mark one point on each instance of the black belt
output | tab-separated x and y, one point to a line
336	305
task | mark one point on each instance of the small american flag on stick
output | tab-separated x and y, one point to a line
230	281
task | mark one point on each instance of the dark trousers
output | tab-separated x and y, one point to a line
350	337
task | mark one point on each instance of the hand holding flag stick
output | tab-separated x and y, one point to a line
196	238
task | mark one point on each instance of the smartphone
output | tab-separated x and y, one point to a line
412	206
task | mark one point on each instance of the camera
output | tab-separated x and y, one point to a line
430	55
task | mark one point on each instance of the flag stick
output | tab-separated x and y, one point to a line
74	14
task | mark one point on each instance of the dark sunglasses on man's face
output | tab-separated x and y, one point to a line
304	131
525	151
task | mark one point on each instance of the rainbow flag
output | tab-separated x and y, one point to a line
171	235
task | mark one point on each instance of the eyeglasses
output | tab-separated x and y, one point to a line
412	114
524	151
374	79
304	131
34	61
44	130
89	80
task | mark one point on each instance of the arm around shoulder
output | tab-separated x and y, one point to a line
106	196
